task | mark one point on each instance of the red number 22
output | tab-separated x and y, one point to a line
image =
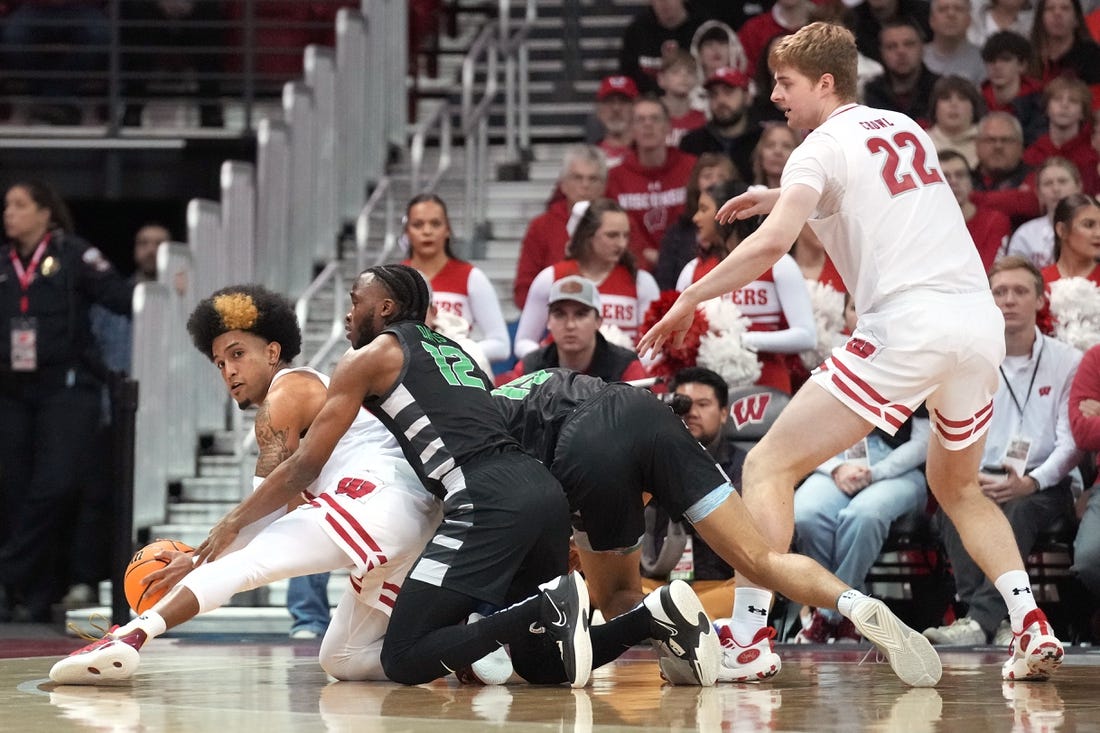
904	182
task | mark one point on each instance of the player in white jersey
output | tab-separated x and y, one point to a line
367	511
869	184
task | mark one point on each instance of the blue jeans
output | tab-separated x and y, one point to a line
845	533
307	601
1086	546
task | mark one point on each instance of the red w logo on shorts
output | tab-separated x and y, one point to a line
860	348
750	410
356	488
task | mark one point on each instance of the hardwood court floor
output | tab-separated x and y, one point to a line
234	685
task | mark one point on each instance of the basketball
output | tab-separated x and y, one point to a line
141	564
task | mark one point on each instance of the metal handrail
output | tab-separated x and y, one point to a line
441	118
517	102
382	194
475	130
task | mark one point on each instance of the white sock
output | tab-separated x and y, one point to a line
750	613
1015	588
847	598
150	622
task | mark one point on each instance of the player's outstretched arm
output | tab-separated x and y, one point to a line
751	258
345	396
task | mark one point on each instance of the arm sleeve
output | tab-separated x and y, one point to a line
532	319
794	298
647	293
1066	455
487	316
907	456
686	275
1086	386
532	258
1015	203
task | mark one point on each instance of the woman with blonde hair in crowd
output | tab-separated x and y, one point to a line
599	249
1034	240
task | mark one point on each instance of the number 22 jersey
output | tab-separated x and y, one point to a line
440	409
886	216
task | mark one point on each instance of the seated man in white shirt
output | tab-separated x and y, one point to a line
1030	456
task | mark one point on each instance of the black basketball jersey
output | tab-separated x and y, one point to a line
537	405
440	409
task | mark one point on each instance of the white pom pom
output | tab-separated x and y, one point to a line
1075	307
616	335
721	350
828	306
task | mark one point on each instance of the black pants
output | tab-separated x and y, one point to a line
46	432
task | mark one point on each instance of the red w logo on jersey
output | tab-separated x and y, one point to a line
750	410
1044	391
859	347
356	488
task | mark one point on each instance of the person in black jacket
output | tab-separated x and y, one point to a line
50	381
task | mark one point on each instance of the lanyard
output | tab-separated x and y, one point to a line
26	276
1027	397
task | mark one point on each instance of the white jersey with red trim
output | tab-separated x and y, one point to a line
886	216
367	459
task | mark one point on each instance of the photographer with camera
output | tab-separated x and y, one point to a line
1029	467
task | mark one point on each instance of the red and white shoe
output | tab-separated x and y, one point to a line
1035	652
104	661
753	663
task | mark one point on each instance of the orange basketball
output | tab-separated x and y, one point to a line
141	564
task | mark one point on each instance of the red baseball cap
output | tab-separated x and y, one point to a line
729	76
623	85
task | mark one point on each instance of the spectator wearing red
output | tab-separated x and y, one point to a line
1002	181
651	183
988	228
283	28
583	178
1034	240
1090	178
575	315
1068	104
786	16
1007	88
614	110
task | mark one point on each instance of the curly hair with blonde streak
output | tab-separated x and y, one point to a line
250	308
238	311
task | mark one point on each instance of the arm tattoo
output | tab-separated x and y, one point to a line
272	443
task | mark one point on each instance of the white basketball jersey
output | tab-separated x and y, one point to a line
886	216
366	442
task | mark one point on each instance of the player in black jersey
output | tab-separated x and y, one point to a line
608	443
504	536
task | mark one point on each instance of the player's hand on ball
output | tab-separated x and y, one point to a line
161	581
220	538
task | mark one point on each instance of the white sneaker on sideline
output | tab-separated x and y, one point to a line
964	631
